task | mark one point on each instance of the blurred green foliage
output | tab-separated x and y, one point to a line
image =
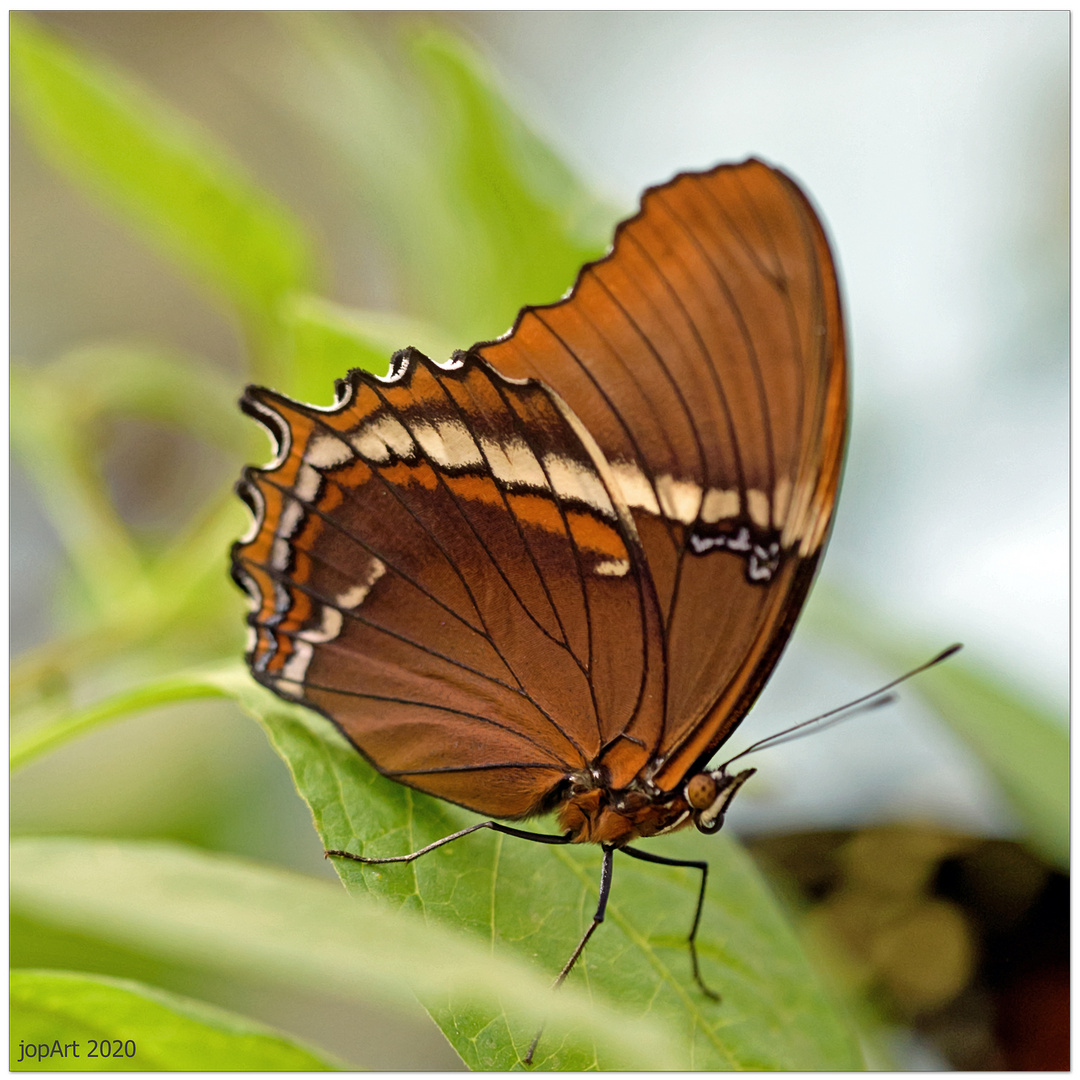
483	217
1021	745
164	176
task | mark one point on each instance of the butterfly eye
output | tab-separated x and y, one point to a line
701	791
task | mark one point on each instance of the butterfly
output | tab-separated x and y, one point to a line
553	573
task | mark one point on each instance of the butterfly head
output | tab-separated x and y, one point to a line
708	794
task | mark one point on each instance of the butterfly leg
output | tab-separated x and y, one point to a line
539	838
646	856
598	918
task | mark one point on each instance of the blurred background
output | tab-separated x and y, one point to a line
935	145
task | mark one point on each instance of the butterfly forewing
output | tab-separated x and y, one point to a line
435	565
705	355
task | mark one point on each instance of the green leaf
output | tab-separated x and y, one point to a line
186	612
240	918
72	1013
130	591
527	224
535	902
329	339
43	738
479	213
69	484
1023	747
162	174
58	413
87	385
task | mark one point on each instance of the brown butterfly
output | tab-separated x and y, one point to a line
554	573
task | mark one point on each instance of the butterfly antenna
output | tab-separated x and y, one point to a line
864	704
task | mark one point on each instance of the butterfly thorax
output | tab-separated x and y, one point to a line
602	816
594	813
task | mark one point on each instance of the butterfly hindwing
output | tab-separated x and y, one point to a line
434	563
